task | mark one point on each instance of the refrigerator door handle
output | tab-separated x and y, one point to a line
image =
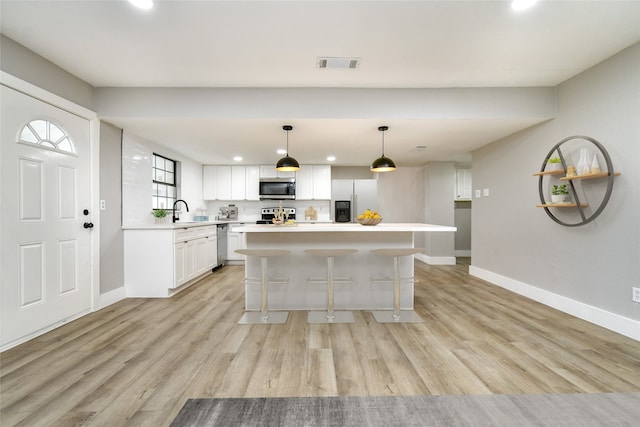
354	210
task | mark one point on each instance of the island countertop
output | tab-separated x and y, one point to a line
360	266
341	227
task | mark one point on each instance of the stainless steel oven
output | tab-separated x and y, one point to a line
267	214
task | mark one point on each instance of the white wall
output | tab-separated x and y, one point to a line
20	62
587	270
137	154
439	209
111	234
422	194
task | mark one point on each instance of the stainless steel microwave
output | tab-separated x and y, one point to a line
277	188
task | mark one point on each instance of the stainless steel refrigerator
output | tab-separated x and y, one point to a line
362	193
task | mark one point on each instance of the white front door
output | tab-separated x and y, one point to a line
45	274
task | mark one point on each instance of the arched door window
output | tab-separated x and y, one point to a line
46	134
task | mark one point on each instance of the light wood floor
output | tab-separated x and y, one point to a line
137	361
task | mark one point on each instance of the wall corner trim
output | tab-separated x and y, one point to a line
614	322
436	260
112	297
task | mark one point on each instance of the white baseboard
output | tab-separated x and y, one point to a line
112	297
464	253
436	260
615	322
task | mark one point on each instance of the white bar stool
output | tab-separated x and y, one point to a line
330	316
264	316
396	316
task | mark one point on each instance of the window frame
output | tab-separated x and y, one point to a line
167	185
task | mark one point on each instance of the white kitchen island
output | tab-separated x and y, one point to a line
360	294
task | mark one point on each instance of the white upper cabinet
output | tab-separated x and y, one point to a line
223	182
238	182
463	184
269	171
304	183
209	188
230	182
313	182
322	182
252	183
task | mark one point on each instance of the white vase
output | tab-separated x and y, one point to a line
595	166
584	166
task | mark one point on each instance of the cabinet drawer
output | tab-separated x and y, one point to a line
184	234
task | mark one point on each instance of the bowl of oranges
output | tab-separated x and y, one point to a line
369	217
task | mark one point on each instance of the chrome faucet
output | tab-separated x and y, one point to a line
175	218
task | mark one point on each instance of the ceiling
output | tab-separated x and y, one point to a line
276	44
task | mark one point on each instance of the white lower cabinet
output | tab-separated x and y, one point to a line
211	251
184	259
158	261
234	241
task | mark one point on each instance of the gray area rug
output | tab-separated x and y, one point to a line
609	409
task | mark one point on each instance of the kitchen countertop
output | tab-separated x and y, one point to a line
340	227
172	226
187	224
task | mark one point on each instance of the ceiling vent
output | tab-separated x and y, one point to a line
338	62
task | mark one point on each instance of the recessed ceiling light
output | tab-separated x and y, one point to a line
237	158
281	151
421	147
331	158
522	4
142	4
338	62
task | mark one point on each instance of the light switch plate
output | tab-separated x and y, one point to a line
478	193
485	192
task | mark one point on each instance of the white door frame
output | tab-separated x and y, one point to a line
94	172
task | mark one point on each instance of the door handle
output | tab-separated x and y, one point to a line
88	225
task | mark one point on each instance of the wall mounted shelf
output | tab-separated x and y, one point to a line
562	205
552	172
585	215
588	176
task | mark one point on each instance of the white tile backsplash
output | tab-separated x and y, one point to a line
137	180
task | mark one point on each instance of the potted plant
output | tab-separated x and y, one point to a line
554	163
559	193
159	215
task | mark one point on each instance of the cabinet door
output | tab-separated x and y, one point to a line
238	183
223	182
234	241
268	171
178	264
211	252
252	183
189	258
304	183
209	189
200	256
322	182
463	184
286	174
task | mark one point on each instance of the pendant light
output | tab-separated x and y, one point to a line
287	164
383	163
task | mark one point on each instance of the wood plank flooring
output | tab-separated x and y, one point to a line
137	362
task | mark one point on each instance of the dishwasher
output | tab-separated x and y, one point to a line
222	244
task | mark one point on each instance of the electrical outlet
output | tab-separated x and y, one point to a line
636	294
103	205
